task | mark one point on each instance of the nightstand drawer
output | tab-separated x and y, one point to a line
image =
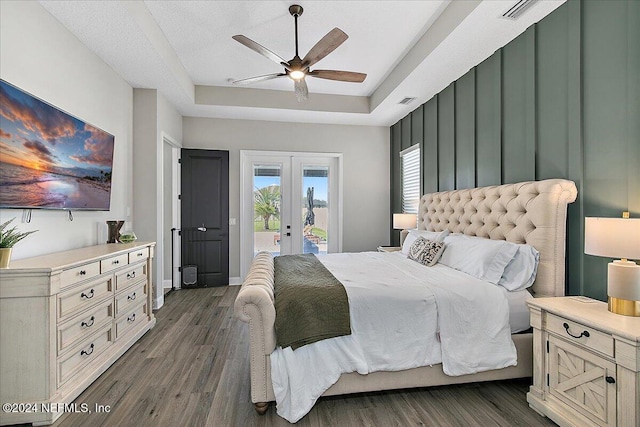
575	332
389	248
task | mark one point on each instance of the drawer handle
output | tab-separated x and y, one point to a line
82	272
87	352
131	318
132	297
140	254
131	275
89	323
583	334
610	380
87	296
115	262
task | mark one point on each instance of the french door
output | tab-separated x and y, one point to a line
290	204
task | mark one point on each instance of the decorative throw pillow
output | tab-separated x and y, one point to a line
425	251
436	236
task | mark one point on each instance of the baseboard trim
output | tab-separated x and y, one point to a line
158	302
235	281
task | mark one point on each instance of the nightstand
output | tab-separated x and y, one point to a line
389	248
586	368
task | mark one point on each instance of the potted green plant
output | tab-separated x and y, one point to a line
8	238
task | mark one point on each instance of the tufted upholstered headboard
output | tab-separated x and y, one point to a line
532	212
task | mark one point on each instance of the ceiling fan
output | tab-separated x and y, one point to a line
297	69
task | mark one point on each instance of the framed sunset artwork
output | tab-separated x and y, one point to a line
50	159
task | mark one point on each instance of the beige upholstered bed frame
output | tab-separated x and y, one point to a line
528	212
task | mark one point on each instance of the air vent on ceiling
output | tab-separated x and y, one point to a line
407	100
518	9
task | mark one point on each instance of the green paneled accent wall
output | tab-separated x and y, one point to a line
429	147
446	140
396	186
488	121
562	100
466	130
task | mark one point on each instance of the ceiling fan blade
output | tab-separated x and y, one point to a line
301	89
325	46
343	76
257	47
258	79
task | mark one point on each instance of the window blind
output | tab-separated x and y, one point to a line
410	160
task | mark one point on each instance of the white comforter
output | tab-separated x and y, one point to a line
403	315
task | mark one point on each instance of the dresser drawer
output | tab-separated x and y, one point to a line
78	274
126	300
575	332
135	318
131	276
78	328
112	263
138	255
84	296
80	356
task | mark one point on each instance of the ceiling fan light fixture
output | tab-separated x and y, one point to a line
297	74
297	69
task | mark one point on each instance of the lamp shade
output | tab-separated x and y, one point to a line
404	221
612	237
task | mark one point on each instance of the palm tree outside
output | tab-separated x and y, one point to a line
266	203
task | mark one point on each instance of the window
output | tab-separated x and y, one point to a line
410	161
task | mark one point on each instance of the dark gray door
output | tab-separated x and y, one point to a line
205	216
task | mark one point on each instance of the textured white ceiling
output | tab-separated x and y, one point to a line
407	48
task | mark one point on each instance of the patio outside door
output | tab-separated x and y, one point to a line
290	204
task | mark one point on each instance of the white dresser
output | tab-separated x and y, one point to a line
64	319
586	369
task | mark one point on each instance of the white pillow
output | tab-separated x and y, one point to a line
436	236
521	271
482	258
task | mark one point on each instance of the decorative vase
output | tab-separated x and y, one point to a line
5	257
127	237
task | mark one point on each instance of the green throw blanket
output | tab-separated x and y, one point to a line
311	304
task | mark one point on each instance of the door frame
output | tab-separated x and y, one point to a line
162	194
246	235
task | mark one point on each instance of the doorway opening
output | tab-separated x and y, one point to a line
291	203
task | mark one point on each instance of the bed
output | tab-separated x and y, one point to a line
532	213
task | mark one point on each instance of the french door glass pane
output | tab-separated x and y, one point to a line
315	209
267	200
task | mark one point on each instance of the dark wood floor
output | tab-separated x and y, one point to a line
192	369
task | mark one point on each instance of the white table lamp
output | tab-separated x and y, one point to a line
404	221
617	238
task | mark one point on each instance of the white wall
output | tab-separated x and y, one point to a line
365	165
40	56
154	119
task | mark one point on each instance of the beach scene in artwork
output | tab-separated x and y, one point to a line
49	159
